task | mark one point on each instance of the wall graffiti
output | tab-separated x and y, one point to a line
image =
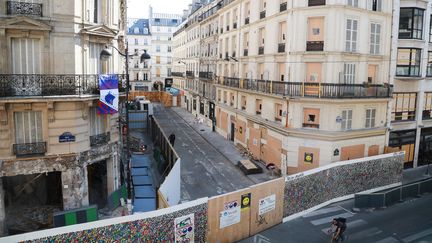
307	191
156	229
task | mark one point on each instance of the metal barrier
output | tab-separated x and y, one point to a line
390	197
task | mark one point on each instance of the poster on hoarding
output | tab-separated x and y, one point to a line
267	204
229	217
184	228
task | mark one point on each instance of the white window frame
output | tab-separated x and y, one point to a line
349	73
370	117
353	3
346	123
351	32
375	38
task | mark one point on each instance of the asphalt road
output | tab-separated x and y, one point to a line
409	221
205	171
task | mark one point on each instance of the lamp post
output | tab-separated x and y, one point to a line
105	55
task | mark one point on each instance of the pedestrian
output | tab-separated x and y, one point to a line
340	225
171	139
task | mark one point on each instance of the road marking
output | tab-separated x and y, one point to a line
350	225
261	239
321	211
346	210
388	240
328	220
365	233
417	236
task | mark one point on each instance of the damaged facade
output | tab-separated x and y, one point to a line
49	66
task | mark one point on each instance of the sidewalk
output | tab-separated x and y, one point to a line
223	145
416	174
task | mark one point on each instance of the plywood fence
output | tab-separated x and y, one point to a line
251	222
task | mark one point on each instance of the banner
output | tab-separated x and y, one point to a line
109	94
184	229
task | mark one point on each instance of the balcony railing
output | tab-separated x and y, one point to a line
12	85
283	7
245	52
281	47
315	46
316	3
261	50
190	74
177	74
246	20
100	139
29	149
311	89
22	8
262	14
206	75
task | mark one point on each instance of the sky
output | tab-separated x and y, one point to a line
139	8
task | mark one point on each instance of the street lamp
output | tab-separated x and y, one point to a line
105	54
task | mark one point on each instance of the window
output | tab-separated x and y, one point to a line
158	48
408	62
94	62
169	48
375	5
243	102
427	106
349	73
370	118
429	65
375	38
169	72
258	106
430	29
28	127
136	41
97	123
404	106
411	23
346	119
278	112
311	117
353	3
26	54
351	35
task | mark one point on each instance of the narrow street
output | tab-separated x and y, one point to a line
205	170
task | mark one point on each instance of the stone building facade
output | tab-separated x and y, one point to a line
49	67
299	84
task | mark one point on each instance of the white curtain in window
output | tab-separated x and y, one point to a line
94	62
349	73
370	118
97	124
26	54
346	119
28	127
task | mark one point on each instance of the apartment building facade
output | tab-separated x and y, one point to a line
139	39
56	152
162	27
301	84
410	114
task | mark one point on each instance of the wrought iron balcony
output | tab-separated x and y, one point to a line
315	46
29	149
206	75
17	85
316	3
190	74
311	89
100	139
246	20
262	14
245	52
177	74
281	47
283	7
23	8
261	50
